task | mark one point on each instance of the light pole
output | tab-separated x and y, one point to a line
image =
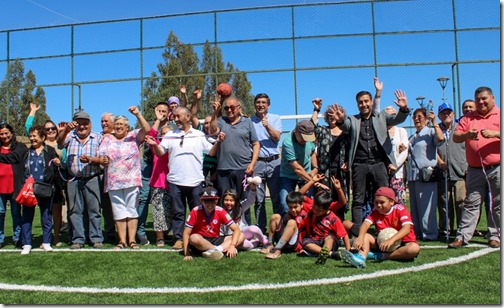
420	100
442	82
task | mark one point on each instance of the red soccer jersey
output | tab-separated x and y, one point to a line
207	225
318	228
396	218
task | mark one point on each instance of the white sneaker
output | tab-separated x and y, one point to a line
212	254
26	249
47	247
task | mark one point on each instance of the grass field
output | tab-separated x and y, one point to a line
471	275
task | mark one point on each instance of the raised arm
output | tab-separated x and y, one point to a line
317	105
183	91
145	127
214	129
194	108
378	91
31	117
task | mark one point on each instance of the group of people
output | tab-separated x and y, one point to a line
219	171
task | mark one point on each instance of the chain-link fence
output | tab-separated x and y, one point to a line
294	53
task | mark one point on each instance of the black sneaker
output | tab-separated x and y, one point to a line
144	241
336	255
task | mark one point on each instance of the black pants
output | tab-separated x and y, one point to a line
365	177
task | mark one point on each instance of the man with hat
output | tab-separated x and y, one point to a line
371	155
299	161
452	160
202	227
83	187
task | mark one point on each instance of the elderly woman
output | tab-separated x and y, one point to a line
40	163
11	180
423	195
119	153
59	212
332	150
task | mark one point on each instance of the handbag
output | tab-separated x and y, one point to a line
42	189
26	196
428	174
431	174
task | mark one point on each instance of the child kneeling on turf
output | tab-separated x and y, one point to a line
386	214
202	226
321	232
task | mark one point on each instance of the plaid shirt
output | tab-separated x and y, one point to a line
75	149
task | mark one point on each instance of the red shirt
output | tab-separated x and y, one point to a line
6	175
486	148
318	228
396	218
207	225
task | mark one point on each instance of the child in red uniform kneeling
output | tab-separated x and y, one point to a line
386	214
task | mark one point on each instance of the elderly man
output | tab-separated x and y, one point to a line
480	130
451	159
83	166
238	153
185	146
371	156
268	128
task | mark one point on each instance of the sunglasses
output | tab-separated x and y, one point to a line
48	129
182	140
232	108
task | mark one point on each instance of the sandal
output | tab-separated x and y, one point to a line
120	246
274	254
160	242
134	245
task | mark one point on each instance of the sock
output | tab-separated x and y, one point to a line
219	248
281	243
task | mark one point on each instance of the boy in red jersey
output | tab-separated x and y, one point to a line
386	214
201	232
321	232
284	230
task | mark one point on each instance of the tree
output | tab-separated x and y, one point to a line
16	92
182	66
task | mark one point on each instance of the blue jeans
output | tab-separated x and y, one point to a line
286	186
45	205
84	195
143	206
270	175
180	196
16	217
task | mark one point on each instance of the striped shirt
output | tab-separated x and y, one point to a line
75	149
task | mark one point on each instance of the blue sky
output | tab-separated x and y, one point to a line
333	85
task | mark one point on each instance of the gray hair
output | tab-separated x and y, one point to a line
110	115
121	117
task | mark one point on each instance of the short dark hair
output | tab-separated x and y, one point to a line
483	89
294	197
262	95
323	199
421	110
363	93
41	132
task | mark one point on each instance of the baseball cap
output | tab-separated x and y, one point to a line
209	193
173	99
307	130
444	106
386	192
81	115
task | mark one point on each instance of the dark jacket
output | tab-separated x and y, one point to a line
49	170
16	159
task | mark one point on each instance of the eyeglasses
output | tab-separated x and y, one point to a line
418	116
48	129
232	108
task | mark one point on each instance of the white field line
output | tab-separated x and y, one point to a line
254	286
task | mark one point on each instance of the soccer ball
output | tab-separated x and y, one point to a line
224	89
387	233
